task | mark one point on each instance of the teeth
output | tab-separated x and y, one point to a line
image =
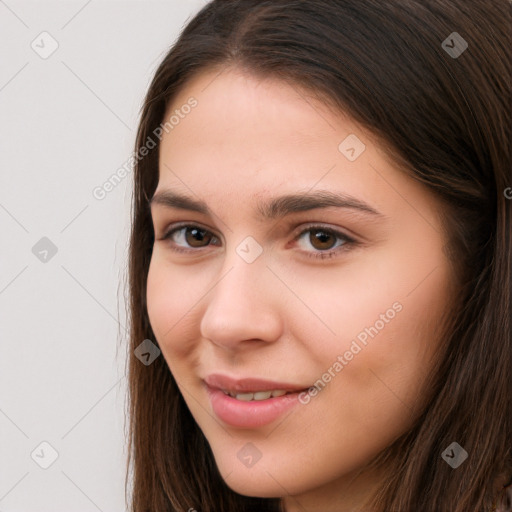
258	395
245	397
262	395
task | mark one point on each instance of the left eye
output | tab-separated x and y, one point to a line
323	239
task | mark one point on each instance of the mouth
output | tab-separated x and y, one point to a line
250	402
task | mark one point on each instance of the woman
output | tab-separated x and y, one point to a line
321	254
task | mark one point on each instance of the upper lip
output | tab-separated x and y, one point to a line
226	383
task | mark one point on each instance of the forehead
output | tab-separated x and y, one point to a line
235	106
251	125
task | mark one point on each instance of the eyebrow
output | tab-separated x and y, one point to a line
272	208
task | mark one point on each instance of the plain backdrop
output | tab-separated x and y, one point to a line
72	80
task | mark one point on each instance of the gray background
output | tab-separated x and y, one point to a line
67	123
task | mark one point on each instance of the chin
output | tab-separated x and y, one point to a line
247	483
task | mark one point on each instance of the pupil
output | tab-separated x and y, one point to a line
320	239
197	236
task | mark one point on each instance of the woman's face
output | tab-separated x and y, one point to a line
301	259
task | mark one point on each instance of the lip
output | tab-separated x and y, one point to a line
218	381
252	414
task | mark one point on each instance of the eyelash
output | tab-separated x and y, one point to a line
348	241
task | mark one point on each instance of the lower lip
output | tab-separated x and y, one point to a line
253	414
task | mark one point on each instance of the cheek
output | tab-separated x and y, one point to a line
388	373
159	298
170	295
384	320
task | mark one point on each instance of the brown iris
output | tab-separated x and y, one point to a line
321	239
197	237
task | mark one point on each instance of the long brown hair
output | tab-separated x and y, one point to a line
445	118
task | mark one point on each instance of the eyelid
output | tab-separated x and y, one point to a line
176	226
321	226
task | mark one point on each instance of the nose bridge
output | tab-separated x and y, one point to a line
240	306
243	271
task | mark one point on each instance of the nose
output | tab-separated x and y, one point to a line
242	307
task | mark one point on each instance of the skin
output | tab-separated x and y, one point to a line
285	316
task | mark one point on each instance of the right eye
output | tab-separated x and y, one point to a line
187	237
